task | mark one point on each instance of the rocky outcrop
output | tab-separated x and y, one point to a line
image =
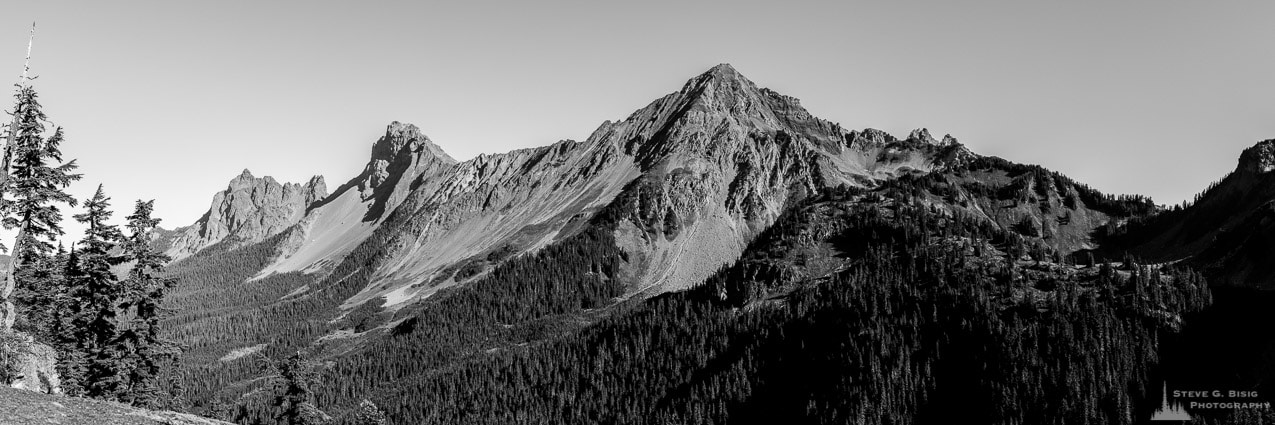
922	135
249	210
35	364
314	190
869	138
399	158
1258	159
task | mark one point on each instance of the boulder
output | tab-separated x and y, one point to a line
29	364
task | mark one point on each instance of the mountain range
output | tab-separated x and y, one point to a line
696	231
717	162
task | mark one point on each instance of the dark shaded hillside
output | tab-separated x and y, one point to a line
1227	232
1225	346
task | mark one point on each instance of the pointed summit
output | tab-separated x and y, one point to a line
722	79
398	158
922	135
724	71
315	190
244	179
399	135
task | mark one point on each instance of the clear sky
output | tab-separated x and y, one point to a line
170	100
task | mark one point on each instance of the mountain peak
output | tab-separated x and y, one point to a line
922	135
1258	159
721	84
315	190
399	135
398	158
317	181
251	209
244	179
724	70
870	136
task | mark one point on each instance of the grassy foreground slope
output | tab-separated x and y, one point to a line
19	407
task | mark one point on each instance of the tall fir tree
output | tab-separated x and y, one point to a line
71	360
34	184
95	298
139	341
41	296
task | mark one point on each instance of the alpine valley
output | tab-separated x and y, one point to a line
723	256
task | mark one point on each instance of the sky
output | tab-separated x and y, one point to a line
170	100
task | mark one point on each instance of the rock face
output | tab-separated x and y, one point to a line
36	364
1259	158
249	210
399	158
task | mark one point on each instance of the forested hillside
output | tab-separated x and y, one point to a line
979	249
859	307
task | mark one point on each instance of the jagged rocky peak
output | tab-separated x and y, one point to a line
316	189
722	88
400	135
403	146
1259	158
870	137
399	158
711	115
922	135
264	191
720	78
250	209
253	208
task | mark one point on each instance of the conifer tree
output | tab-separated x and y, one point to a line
140	296
95	294
34	183
71	361
40	295
294	385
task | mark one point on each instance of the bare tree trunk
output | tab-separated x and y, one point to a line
7	311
